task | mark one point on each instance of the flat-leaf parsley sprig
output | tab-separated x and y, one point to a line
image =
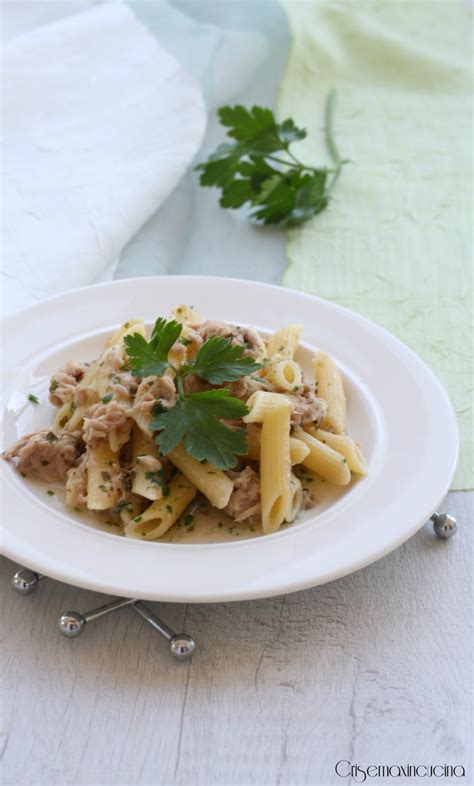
260	168
196	418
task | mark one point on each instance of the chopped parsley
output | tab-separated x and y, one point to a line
32	398
107	398
188	519
158	479
122	505
50	493
105	475
53	385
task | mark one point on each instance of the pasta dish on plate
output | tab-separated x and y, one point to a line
199	413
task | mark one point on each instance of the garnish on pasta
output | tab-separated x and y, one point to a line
196	418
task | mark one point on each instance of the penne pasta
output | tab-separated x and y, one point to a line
331	389
102	463
146	466
63	415
344	445
76	486
324	460
119	437
273	410
186	314
126	329
285	341
298	450
284	374
142	419
262	402
212	482
162	514
296	498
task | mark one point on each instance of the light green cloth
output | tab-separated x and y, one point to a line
395	243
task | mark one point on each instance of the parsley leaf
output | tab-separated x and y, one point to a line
195	420
32	398
281	188
256	129
218	361
148	358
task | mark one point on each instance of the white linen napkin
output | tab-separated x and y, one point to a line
100	124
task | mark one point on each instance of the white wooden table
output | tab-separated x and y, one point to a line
373	668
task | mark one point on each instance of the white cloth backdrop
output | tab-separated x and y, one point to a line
100	124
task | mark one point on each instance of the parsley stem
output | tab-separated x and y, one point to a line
297	165
293	156
282	161
330	140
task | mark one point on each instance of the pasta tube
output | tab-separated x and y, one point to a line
212	482
344	445
331	389
102	462
162	514
296	498
184	314
145	466
285	341
324	460
273	410
284	374
127	329
298	450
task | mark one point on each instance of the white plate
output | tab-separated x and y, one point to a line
397	410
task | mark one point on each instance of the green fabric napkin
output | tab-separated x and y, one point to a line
395	243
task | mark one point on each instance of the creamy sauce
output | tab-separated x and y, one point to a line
207	525
210	526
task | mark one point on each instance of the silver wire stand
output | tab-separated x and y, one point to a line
72	623
181	645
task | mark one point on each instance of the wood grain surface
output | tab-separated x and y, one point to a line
373	668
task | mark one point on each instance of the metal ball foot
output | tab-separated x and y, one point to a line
71	624
182	646
444	525
26	581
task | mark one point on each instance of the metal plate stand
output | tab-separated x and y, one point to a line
72	623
